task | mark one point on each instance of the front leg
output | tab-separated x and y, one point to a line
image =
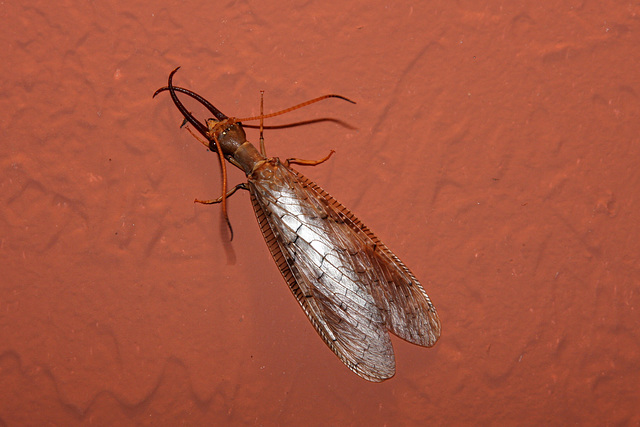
241	186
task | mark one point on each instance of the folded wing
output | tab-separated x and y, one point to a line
351	286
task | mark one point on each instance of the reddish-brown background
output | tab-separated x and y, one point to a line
494	148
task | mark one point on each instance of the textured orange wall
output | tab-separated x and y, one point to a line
494	147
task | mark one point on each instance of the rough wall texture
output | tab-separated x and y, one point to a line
495	148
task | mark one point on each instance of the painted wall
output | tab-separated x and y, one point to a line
494	147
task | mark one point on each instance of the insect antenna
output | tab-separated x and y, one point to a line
263	116
295	107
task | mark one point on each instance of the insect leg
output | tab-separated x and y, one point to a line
263	151
206	144
241	186
308	162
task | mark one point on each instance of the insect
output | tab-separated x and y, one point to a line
353	289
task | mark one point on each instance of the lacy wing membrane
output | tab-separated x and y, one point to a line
405	306
352	288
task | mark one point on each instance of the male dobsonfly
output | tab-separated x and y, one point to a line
353	289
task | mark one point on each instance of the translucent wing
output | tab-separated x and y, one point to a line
350	285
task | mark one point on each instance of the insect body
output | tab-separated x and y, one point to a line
353	289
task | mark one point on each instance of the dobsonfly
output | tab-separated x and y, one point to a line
353	289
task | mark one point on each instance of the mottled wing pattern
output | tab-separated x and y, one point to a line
350	285
403	302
